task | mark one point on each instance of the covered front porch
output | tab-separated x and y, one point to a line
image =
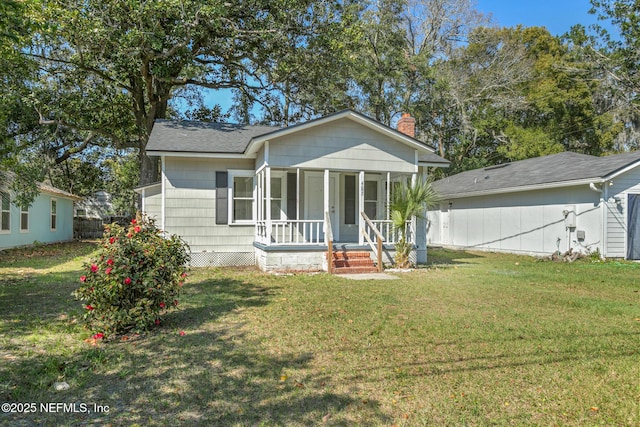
304	215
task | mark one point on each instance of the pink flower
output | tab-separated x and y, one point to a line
182	333
129	235
161	305
109	261
127	281
175	302
137	228
98	336
180	283
108	270
157	321
90	307
183	275
94	268
112	240
83	278
134	221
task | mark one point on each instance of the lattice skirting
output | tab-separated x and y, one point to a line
222	259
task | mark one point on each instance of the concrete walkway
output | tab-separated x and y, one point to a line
369	276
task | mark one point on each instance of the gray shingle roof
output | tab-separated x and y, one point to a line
225	138
547	170
433	158
201	137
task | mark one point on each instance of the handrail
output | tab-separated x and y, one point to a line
328	237
372	226
379	239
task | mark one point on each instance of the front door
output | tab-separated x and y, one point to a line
314	199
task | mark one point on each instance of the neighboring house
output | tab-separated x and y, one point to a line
247	195
543	205
49	219
96	206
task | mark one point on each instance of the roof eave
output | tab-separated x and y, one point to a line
622	170
573	183
435	164
200	154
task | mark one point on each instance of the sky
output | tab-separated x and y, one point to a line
558	16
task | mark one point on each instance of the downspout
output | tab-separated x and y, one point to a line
603	214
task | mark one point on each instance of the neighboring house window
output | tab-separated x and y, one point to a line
24	218
54	214
371	199
241	196
5	223
81	213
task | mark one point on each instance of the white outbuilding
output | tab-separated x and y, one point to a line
543	205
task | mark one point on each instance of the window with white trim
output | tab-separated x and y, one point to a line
54	214
24	219
371	199
278	196
241	208
5	221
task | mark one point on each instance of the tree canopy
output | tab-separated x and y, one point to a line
84	81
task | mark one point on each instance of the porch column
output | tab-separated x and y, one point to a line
163	203
414	179
360	207
388	215
421	231
326	201
268	204
298	194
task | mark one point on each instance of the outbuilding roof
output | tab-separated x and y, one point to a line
556	170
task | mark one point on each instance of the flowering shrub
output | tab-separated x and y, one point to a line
136	277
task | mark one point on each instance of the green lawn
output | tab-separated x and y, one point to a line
474	339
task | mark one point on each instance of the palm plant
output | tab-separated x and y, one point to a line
408	201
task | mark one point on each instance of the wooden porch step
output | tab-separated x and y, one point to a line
353	262
350	254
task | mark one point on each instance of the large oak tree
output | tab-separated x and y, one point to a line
109	68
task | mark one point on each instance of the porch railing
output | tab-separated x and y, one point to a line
291	232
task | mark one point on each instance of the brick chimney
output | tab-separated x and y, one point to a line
407	125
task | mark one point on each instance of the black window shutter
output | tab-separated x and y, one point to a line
292	191
222	198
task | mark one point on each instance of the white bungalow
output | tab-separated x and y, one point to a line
543	205
281	197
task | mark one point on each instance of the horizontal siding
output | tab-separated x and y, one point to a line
40	223
528	222
153	206
624	184
343	145
190	205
